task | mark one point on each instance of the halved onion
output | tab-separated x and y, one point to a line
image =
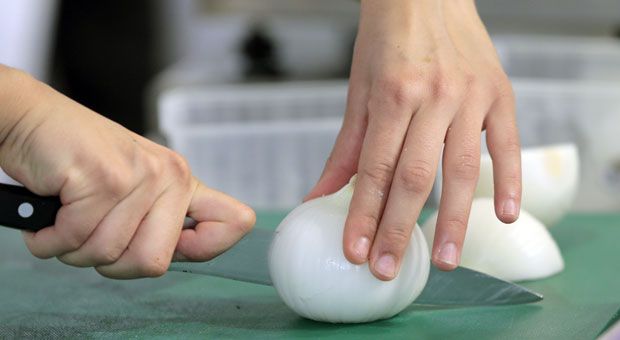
523	250
550	176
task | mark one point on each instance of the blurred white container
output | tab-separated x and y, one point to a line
559	57
269	165
189	106
584	113
265	144
26	32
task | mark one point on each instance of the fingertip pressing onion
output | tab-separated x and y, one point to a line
312	276
523	250
550	176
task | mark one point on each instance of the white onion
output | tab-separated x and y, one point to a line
312	276
550	176
523	250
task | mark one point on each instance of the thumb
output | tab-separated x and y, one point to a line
221	222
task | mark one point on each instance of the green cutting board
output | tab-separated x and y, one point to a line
47	299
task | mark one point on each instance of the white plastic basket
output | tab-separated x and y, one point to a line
558	57
190	106
265	144
269	165
584	113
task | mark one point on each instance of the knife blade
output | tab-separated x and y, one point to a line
248	259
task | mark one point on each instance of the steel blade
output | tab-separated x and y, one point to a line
248	261
466	287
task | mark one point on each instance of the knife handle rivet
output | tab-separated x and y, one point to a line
25	210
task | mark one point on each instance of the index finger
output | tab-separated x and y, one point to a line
387	126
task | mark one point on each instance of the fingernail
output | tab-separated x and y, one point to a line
509	208
447	254
361	247
386	266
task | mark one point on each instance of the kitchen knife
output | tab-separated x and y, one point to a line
248	259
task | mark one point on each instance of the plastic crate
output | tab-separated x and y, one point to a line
265	144
190	106
559	57
269	165
585	113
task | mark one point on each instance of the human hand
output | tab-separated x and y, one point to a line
425	75
124	198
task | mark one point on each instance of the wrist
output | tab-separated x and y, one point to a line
462	12
18	94
406	7
398	20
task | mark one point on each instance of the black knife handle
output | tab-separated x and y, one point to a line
22	209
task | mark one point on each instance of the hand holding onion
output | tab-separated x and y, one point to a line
424	75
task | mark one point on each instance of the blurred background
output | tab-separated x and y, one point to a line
253	92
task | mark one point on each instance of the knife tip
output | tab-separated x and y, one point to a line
533	297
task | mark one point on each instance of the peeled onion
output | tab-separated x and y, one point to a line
312	276
523	250
550	176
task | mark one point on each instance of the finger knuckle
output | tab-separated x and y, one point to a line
379	173
152	167
511	144
416	177
117	183
456	224
73	238
338	165
466	166
443	88
179	166
107	255
367	223
500	83
246	218
397	235
506	94
392	91
153	265
507	144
